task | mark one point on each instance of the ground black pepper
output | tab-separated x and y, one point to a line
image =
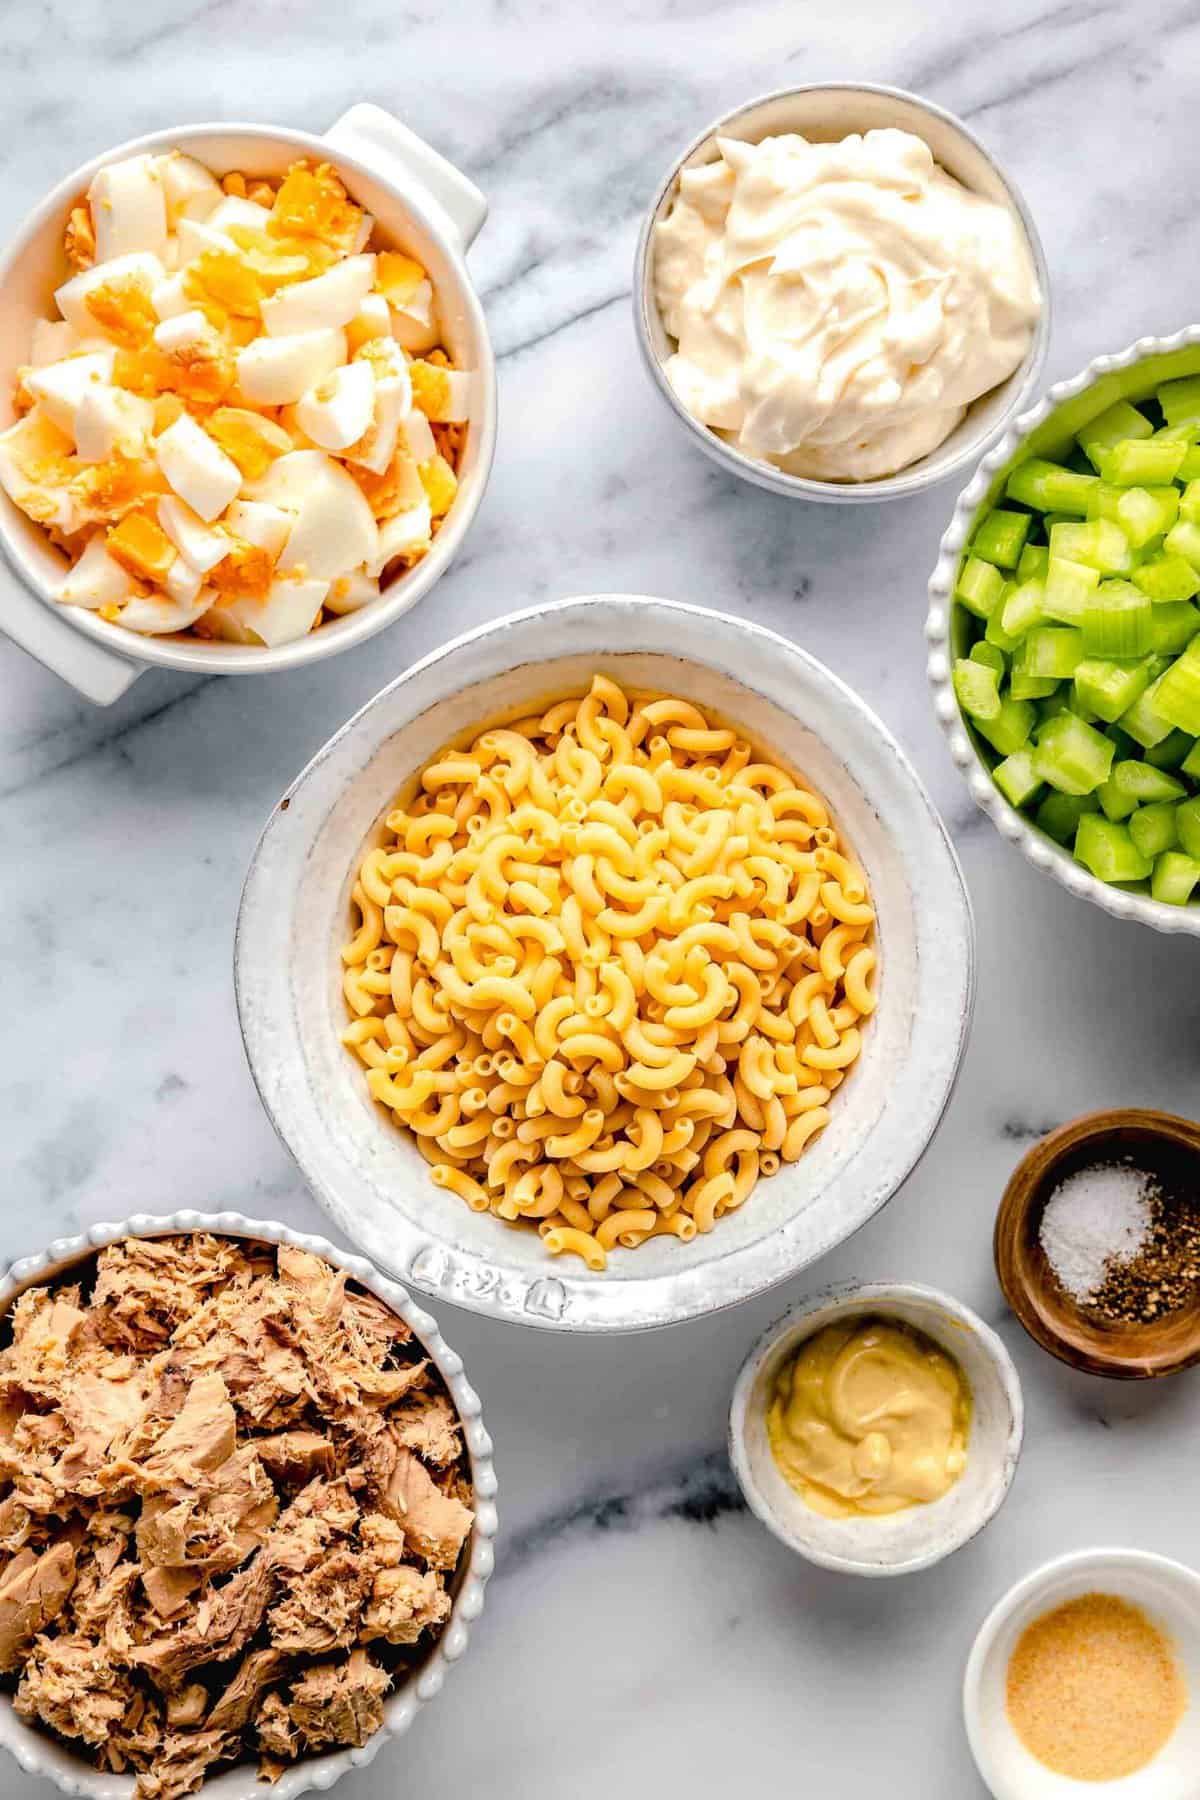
1165	1273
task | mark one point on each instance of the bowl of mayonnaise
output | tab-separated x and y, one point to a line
839	293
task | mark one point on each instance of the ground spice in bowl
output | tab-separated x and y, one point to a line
1121	1244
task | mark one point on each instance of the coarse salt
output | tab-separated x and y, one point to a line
1095	1218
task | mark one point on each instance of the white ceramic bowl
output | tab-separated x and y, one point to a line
1167	1592
421	204
295	914
1046	430
826	112
900	1543
40	1754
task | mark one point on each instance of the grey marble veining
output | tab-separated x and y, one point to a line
643	1630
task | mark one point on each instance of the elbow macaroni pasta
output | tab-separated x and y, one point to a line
609	968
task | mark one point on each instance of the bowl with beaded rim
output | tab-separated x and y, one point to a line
1046	430
295	916
39	1753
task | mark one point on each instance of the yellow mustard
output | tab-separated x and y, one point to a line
870	1417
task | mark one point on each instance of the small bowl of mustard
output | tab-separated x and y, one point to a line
876	1427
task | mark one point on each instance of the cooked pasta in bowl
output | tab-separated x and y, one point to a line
580	944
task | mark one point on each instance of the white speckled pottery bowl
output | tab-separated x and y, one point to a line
825	112
1046	430
422	204
1167	1592
41	1754
295	915
900	1543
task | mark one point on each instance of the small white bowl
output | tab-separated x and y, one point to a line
39	1753
827	112
295	913
1167	1592
1046	430
899	1543
422	204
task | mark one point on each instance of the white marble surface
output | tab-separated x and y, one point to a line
642	1630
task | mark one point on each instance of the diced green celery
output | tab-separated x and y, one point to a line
1050	488
1032	564
1071	755
1187	824
1142	720
1057	703
1174	623
1177	694
1152	828
980	585
1134	464
989	656
1107	849
1051	519
1170	754
1015	778
977	688
1179	400
1031	687
1190	766
1189	468
1117	621
1174	878
1097	543
1050	651
1119	421
995	633
1113	803
1183	540
1059	814
1109	688
1023	608
1189	503
1069	588
1001	538
1167	576
1144	783
1010	731
1141	512
1080	707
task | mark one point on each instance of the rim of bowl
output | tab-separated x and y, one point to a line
834	1300
1051	858
904	482
757	1259
400	1707
1180	1574
191	655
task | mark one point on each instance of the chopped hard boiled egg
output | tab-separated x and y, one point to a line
227	408
196	467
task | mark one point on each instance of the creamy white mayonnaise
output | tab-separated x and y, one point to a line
837	307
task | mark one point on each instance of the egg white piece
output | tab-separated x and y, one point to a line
128	208
141	266
233	210
26	448
334	529
417	435
191	191
96	579
261	524
60	387
169	299
183	583
196	467
339	409
198	543
455	408
156	618
108	420
376	447
183	331
52	340
372	320
195	236
326	300
408	531
287	612
349	593
275	371
414	323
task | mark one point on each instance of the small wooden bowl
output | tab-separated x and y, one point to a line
1158	1142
